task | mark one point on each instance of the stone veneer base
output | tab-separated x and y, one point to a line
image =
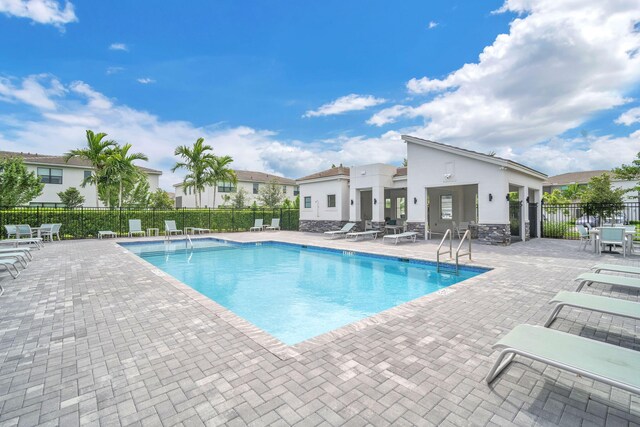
418	227
494	234
320	226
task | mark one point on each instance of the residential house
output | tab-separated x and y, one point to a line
562	181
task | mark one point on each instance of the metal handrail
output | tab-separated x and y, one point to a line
187	238
467	234
447	233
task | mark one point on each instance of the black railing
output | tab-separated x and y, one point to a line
79	223
559	221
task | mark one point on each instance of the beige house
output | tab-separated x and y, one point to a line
250	181
562	181
59	175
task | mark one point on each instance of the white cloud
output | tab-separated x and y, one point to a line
114	70
40	11
146	80
345	104
119	46
629	117
560	63
432	25
37	90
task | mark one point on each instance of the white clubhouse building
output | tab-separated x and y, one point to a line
441	185
59	175
250	181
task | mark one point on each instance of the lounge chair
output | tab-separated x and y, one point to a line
616	268
257	225
407	235
597	303
135	227
275	224
26	251
607	279
24	234
355	234
610	364
17	255
7	263
15	242
342	232
106	233
170	228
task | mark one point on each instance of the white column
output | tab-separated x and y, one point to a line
354	209
377	211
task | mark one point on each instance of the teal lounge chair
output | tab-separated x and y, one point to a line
607	279
26	251
135	227
614	306
615	268
7	263
610	364
339	233
275	224
257	225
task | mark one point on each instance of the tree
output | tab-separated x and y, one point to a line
573	192
71	197
17	185
197	161
220	172
405	162
136	193
119	165
630	173
239	199
600	198
270	195
160	199
96	153
296	202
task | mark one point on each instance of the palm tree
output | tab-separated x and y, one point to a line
197	161
219	172
95	152
120	167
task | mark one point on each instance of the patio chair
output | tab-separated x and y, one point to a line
11	230
613	306
25	235
607	279
356	234
410	236
52	231
170	228
135	227
275	224
257	225
583	235
610	364
613	236
339	233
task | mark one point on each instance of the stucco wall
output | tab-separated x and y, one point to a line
189	200
318	191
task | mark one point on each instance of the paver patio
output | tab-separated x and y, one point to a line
92	335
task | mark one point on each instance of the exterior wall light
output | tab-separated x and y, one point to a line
351	202
375	201
490	197
508	197
527	199
415	200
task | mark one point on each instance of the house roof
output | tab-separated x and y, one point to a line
46	159
475	155
336	171
581	177
253	176
401	171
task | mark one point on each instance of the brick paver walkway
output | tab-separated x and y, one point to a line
91	335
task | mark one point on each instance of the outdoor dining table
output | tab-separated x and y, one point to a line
595	232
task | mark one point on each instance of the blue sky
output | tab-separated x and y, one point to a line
290	87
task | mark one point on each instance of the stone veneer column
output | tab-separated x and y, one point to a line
417	227
527	230
494	234
319	226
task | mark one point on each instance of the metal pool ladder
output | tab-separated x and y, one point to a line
440	252
467	236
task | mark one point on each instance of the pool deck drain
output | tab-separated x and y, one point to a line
92	335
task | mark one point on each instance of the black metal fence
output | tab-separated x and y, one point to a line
79	223
559	221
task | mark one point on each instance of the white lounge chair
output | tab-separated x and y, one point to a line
615	268
170	228
614	306
355	234
610	364
135	227
26	235
407	235
257	225
106	233
275	224
7	264
26	251
17	255
339	233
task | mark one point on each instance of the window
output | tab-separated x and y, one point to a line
256	188
226	187
331	201
284	189
296	191
387	203
400	207
87	174
307	202
50	175
446	206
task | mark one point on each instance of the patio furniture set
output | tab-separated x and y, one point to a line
348	234
611	236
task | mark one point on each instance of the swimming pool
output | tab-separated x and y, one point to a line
296	292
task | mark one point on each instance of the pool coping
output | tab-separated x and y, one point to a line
271	343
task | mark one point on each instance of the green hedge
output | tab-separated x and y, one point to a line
86	222
560	230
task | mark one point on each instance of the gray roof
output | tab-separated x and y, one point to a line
46	159
336	171
252	176
581	177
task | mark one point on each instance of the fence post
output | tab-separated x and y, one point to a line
541	218
209	216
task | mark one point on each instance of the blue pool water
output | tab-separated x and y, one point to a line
294	292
